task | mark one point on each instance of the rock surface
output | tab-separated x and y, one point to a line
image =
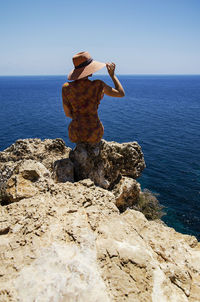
106	162
127	192
67	241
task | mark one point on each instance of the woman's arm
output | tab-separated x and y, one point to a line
65	107
67	110
118	91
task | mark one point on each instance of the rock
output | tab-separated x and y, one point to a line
63	170
67	241
46	151
126	192
67	254
28	178
17	188
105	163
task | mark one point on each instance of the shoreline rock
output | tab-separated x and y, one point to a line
67	239
107	162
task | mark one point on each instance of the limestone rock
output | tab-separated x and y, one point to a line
63	170
107	161
28	178
92	253
46	151
67	241
126	192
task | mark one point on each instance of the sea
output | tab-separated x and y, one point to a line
160	112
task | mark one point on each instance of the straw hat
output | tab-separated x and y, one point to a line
84	65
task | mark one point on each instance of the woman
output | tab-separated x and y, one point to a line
81	98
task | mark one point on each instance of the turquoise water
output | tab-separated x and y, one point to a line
162	113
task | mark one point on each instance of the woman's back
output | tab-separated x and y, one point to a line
82	98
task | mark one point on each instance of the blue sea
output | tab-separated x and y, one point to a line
162	113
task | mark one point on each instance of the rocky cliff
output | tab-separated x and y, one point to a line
69	231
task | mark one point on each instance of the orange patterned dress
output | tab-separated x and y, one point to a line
82	97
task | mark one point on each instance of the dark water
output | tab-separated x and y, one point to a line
162	113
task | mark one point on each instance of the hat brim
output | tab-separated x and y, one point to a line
80	73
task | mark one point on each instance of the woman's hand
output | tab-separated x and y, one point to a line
118	91
111	69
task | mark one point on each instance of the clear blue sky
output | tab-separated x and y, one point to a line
140	36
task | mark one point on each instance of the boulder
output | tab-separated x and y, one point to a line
63	170
106	162
126	192
28	178
46	151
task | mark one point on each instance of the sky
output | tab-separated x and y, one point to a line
40	37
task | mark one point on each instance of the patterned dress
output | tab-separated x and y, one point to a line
82	98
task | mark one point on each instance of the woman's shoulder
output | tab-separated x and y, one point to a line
66	87
98	83
66	84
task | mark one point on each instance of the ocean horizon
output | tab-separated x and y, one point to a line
159	111
104	75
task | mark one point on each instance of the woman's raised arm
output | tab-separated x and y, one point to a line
118	91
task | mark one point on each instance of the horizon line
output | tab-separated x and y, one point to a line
96	74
